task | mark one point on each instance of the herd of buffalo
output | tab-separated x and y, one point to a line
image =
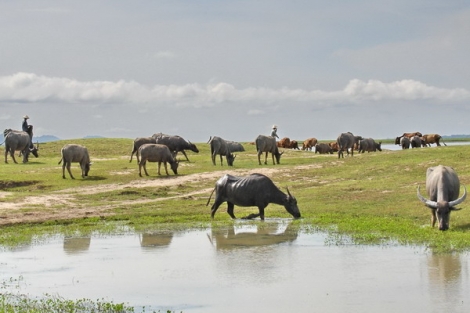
442	182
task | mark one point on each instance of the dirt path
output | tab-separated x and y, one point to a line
64	205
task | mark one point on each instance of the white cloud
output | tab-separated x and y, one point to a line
32	88
5	117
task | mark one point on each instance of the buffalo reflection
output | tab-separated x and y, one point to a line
152	240
264	234
74	245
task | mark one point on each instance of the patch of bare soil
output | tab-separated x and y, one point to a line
64	205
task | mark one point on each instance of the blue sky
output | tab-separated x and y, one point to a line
234	68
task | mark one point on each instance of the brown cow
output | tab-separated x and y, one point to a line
284	142
309	143
288	144
334	146
294	145
428	139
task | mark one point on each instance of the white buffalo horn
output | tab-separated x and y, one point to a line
459	200
429	203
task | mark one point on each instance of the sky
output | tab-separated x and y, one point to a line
128	69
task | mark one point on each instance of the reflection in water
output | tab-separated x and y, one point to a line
74	245
248	267
268	233
446	274
155	240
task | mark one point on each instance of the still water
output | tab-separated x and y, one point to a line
274	268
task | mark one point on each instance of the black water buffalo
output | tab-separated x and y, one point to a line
235	146
345	142
369	145
75	153
175	143
267	144
443	187
16	140
221	147
417	142
253	190
404	142
153	152
323	148
137	143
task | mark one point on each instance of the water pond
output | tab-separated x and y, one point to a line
246	267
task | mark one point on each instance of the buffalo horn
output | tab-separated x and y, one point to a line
459	200
288	192
429	203
433	204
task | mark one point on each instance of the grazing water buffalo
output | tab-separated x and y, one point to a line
309	143
345	142
443	187
429	139
369	145
137	143
75	153
221	147
175	144
253	190
323	148
267	144
156	153
16	140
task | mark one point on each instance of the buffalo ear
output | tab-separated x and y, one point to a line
455	209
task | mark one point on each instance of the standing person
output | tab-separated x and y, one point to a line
274	132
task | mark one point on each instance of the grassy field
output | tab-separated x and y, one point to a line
370	197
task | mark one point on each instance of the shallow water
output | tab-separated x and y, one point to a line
276	268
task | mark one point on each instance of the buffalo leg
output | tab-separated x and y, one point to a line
140	169
215	206
266	158
184	153
259	157
433	218
68	169
166	169
144	164
12	153
230	207
261	213
132	154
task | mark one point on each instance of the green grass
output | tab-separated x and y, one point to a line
365	199
370	198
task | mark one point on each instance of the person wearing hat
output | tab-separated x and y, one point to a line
29	129
25	123
274	132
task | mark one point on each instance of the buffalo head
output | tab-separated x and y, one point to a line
442	209
291	205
